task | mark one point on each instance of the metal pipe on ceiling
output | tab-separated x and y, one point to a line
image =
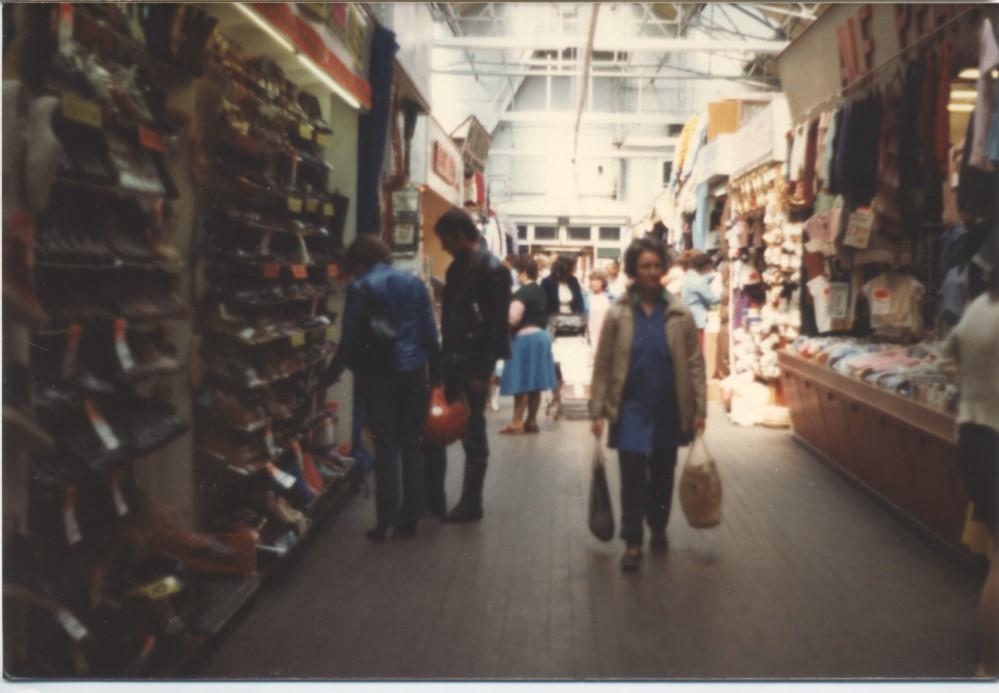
632	45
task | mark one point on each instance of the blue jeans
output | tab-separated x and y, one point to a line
646	491
396	405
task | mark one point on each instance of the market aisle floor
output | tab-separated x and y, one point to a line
807	577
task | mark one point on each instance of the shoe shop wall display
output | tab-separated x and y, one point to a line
271	232
100	580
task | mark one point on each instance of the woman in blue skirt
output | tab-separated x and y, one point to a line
530	369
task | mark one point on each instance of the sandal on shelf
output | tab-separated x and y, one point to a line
510	429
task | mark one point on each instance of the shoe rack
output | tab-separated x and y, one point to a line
98	580
272	233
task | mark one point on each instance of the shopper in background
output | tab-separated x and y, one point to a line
476	336
698	292
674	278
598	302
531	369
544	265
649	382
617	283
562	289
389	339
972	347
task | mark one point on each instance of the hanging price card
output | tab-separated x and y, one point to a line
330	333
328	209
120	506
272	270
295	204
280	476
305	131
101	426
839	300
71	624
881	303
858	230
152	140
299	271
70	522
312	204
297	338
121	346
322	139
69	357
81	111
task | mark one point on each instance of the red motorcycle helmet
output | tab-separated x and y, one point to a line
446	421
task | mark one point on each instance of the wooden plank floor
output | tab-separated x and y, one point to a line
807	577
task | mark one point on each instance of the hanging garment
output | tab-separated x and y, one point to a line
829	152
988	60
373	128
976	189
896	302
819	171
804	193
954	295
839	175
909	145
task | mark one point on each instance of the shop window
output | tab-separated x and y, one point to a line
545	233
667	171
608	253
521	232
610	233
579	233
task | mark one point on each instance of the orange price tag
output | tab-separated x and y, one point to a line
150	139
332	270
101	426
299	271
72	349
271	270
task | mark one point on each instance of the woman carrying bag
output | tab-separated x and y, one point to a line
649	383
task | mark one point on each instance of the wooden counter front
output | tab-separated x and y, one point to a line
905	451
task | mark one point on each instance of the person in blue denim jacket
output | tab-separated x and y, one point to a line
698	293
389	341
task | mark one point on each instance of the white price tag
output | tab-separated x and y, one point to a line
839	300
101	426
881	303
72	525
280	476
120	506
121	346
859	228
71	625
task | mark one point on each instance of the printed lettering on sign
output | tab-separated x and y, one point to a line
445	165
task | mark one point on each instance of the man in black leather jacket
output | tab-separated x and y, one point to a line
475	336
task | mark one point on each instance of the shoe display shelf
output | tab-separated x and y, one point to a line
272	238
98	581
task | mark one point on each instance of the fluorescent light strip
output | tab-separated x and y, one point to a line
960	107
964	94
328	81
970	73
260	22
331	83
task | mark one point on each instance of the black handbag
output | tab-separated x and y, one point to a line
601	513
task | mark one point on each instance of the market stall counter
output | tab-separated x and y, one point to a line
904	450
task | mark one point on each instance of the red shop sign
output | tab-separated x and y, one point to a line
445	165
